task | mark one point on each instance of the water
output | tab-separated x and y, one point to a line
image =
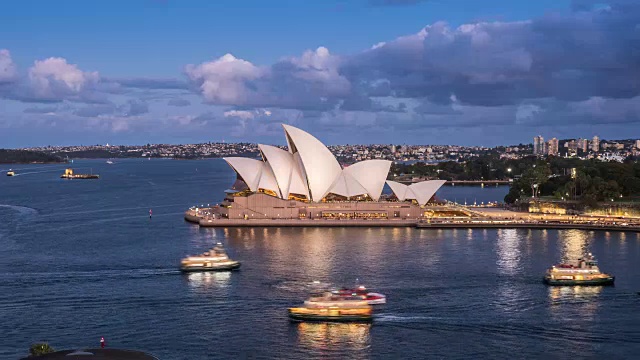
81	259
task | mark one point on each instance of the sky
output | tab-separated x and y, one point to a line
463	72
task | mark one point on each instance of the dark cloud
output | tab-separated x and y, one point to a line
95	110
135	108
40	110
178	102
570	58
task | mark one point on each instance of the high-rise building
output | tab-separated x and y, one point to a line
638	144
583	145
538	145
595	144
552	147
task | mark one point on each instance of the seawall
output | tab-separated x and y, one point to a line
529	225
303	223
454	224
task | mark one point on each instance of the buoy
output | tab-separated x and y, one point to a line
150	213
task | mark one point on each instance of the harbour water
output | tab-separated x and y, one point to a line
82	259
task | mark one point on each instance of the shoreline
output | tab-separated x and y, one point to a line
33	163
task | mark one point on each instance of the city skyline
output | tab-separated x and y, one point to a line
384	71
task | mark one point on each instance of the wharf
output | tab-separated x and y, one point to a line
491	224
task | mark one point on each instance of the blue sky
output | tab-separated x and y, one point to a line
445	71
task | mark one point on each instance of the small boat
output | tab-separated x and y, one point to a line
215	259
11	173
360	291
329	307
584	271
109	162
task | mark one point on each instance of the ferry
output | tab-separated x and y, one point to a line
329	307
215	259
372	298
584	271
68	174
11	173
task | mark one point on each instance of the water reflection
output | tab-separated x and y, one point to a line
508	251
203	282
586	297
575	243
329	336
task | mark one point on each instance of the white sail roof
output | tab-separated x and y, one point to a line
347	186
425	190
248	169
281	163
370	174
319	166
286	171
421	192
399	190
298	184
268	180
311	170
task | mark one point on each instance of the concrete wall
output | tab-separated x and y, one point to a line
262	206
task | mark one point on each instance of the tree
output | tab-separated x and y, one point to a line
40	349
536	176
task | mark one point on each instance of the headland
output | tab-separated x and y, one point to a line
305	186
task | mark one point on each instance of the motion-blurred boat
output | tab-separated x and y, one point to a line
372	298
215	259
330	307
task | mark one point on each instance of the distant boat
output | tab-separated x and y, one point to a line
68	174
10	173
109	162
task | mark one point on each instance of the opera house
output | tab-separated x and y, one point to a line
307	182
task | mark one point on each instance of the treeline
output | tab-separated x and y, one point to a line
586	181
8	156
488	167
98	154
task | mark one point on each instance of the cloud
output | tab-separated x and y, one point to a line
150	83
245	114
129	109
41	110
8	69
55	79
567	57
311	81
135	108
95	110
178	102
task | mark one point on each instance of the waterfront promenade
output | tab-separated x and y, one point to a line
481	218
